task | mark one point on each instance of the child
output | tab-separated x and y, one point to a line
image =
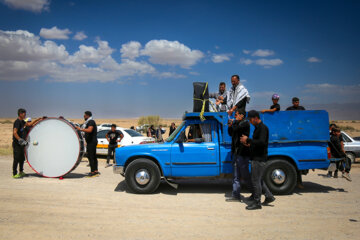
275	107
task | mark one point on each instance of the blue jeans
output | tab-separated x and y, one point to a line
240	171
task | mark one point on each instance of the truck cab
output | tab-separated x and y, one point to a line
201	148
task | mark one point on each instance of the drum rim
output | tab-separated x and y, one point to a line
77	135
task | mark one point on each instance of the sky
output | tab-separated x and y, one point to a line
125	59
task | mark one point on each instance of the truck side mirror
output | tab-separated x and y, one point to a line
181	137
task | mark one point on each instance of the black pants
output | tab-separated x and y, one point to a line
91	154
259	186
19	158
111	151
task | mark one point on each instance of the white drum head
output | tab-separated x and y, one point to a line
54	148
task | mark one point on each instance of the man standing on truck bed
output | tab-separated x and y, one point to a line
238	95
259	151
240	153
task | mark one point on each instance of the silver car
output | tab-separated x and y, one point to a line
351	146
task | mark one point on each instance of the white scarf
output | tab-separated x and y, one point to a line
86	122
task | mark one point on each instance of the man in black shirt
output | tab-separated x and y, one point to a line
172	128
90	130
337	151
113	138
276	106
240	153
20	130
295	106
259	151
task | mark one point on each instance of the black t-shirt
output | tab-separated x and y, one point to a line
295	108
259	143
113	136
335	147
21	130
91	137
237	129
277	106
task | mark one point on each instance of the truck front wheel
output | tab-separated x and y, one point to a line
280	176
142	176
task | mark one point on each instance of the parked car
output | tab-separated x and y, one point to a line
131	137
104	126
298	142
351	146
356	138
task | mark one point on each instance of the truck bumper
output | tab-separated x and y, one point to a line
118	170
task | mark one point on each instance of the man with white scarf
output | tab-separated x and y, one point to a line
90	130
238	95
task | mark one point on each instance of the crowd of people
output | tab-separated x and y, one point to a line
243	148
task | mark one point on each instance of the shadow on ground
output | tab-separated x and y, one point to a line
221	187
70	175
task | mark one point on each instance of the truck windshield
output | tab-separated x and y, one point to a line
173	135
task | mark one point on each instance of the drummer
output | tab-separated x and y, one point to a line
20	131
90	130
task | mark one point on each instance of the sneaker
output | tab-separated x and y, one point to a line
22	174
249	199
329	175
233	199
268	200
347	176
17	176
254	206
107	165
93	174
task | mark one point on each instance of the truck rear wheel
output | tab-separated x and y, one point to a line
142	176
280	176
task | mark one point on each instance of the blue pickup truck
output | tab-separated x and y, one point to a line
298	141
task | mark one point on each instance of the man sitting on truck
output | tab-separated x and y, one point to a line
240	153
221	98
295	106
259	151
238	95
276	106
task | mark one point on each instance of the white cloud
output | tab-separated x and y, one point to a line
23	56
329	88
219	58
267	63
246	61
171	75
29	5
130	50
22	45
171	53
263	53
55	33
246	51
217	47
194	73
80	36
314	60
89	54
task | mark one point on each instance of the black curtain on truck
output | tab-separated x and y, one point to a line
201	96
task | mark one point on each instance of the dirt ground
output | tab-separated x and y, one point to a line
101	208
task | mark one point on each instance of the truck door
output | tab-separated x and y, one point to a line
196	155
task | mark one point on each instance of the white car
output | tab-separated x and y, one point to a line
131	137
104	126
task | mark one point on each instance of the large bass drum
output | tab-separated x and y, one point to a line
55	147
